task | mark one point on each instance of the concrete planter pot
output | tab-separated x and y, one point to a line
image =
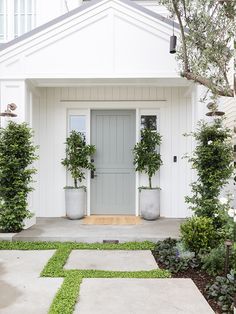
149	200
75	202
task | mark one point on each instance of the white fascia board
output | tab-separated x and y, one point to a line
70	19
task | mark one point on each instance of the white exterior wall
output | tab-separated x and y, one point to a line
13	91
50	119
47	10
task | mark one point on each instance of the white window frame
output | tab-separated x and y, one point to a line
4	21
87	114
25	14
9	21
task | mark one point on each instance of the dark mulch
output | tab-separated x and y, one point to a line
201	280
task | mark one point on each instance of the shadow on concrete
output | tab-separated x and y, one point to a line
9	294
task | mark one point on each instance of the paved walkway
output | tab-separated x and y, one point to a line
116	260
62	229
141	296
22	291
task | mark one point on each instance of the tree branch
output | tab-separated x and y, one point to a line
206	82
186	66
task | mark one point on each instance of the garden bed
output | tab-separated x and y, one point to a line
199	277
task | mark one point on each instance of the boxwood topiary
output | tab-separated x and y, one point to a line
198	233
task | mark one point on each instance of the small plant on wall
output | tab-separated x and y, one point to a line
17	153
77	160
148	160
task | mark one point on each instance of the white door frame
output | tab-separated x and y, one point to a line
140	107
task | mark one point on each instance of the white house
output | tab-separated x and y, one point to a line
100	68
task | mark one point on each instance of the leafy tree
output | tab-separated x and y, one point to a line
212	159
207	33
146	157
17	154
77	156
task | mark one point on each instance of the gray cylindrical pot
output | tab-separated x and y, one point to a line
149	200
75	202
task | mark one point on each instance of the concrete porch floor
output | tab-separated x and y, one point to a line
63	230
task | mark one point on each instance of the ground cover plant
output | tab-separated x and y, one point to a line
66	297
218	289
223	289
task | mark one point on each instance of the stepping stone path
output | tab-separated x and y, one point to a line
141	296
22	291
130	295
114	260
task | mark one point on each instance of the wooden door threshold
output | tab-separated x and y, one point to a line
111	220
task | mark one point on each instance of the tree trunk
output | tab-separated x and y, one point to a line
150	182
75	183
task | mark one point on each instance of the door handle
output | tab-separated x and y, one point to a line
93	175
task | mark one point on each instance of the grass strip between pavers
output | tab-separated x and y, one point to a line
66	297
20	245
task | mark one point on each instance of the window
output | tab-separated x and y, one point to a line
24	16
2	19
16	18
77	123
149	122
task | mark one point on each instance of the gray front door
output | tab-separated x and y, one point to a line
113	187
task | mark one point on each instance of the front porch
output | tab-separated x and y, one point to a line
64	230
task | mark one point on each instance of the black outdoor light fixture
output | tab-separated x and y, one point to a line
8	113
173	41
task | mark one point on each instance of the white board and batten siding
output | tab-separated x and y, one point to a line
50	119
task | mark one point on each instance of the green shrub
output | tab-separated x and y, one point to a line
212	159
223	290
17	153
171	253
214	261
198	233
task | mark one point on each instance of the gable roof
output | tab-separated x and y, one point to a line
81	8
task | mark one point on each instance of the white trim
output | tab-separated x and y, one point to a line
137	122
18	21
140	107
26	17
88	139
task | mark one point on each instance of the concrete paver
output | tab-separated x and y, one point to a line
139	296
63	229
117	260
7	236
22	289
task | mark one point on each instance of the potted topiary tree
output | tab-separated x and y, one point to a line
76	161
148	160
